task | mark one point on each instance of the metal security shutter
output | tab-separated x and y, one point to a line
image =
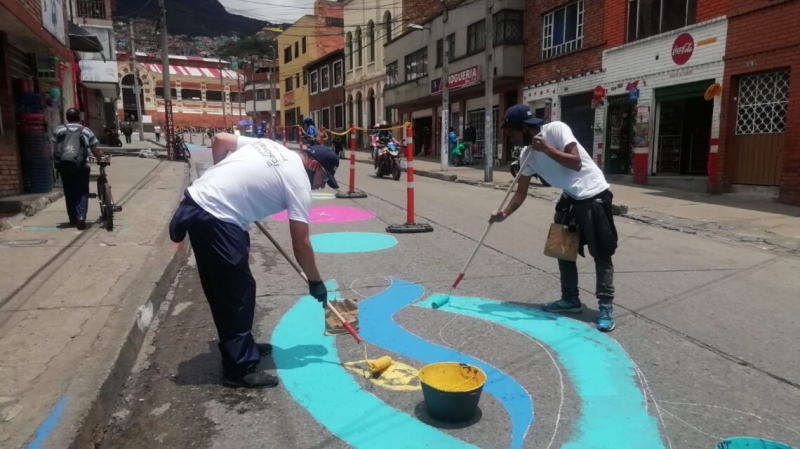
19	63
577	112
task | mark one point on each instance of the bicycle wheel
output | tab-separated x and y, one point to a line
109	207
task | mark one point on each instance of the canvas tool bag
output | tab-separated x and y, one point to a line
562	243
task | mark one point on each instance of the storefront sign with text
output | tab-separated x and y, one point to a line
462	78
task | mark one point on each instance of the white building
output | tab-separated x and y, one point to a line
368	26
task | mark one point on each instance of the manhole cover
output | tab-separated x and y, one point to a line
26	242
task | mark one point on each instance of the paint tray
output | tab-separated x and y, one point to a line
348	308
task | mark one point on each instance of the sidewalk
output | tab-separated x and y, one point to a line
730	217
74	306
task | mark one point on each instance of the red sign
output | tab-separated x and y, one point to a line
288	98
462	78
682	48
599	93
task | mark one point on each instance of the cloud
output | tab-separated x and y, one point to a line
286	11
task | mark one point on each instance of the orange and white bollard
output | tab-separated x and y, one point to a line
352	193
409	227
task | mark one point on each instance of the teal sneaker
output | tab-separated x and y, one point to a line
605	322
563	306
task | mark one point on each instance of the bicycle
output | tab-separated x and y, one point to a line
107	206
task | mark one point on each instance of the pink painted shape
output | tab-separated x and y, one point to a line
331	214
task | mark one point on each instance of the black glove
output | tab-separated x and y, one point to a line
496	217
318	291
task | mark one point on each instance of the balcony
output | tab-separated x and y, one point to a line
92	9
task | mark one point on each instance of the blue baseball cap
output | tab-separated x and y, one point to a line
329	161
519	114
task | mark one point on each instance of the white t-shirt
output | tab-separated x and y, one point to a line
259	179
580	185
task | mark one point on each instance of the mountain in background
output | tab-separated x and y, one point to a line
192	17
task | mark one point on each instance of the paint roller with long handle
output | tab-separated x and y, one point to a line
376	365
445	299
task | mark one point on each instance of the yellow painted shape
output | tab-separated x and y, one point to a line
452	376
398	376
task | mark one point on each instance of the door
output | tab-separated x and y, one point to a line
760	127
619	143
577	112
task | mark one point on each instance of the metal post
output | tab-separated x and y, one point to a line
169	131
136	90
445	92
239	93
222	88
272	82
488	130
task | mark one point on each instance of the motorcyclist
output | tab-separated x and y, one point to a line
310	131
383	135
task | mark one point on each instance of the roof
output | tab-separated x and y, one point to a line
175	57
339	53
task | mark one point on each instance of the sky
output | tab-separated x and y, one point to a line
273	10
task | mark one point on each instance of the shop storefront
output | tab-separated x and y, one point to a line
659	107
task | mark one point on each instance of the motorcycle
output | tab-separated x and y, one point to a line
113	139
388	161
515	166
182	150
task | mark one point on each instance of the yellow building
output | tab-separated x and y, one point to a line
309	38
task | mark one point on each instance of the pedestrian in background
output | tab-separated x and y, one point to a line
157	130
560	159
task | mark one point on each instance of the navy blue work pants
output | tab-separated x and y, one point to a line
222	252
76	192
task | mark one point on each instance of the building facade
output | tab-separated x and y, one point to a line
326	91
262	93
198	85
414	61
309	38
369	25
760	136
34	58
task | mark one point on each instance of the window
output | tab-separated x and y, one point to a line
350	50
391	74
305	78
191	94
387	22
289	86
650	17
325	78
296	50
303	44
508	27
261	94
334	22
338	74
357	43
762	102
417	64
451	41
338	116
326	118
371	40
314	82
562	30
234	97
476	37
287	54
173	92
214	95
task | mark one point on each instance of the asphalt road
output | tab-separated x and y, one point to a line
705	348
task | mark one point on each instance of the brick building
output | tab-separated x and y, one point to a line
198	88
34	57
262	93
760	136
309	38
326	91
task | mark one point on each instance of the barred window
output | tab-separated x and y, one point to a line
476	37
391	74
417	64
562	30
762	103
508	27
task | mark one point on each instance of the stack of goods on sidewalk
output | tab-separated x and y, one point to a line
34	141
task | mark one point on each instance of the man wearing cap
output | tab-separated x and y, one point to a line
585	204
250	180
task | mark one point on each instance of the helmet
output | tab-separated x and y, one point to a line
308	120
378	125
384	124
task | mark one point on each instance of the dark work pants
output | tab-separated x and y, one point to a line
76	192
604	267
222	252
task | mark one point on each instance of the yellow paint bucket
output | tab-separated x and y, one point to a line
451	390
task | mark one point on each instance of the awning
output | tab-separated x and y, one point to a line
82	40
193	71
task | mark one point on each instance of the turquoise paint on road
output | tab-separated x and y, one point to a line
49	424
750	443
310	370
351	242
613	413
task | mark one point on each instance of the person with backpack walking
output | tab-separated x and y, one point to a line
72	143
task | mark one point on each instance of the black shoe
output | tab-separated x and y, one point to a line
81	224
251	378
264	349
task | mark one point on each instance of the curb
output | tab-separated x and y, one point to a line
96	394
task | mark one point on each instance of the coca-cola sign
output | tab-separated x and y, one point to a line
682	48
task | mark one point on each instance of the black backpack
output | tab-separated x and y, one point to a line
69	152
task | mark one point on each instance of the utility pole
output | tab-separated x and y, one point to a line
238	83
488	130
136	90
273	80
222	88
170	130
445	91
